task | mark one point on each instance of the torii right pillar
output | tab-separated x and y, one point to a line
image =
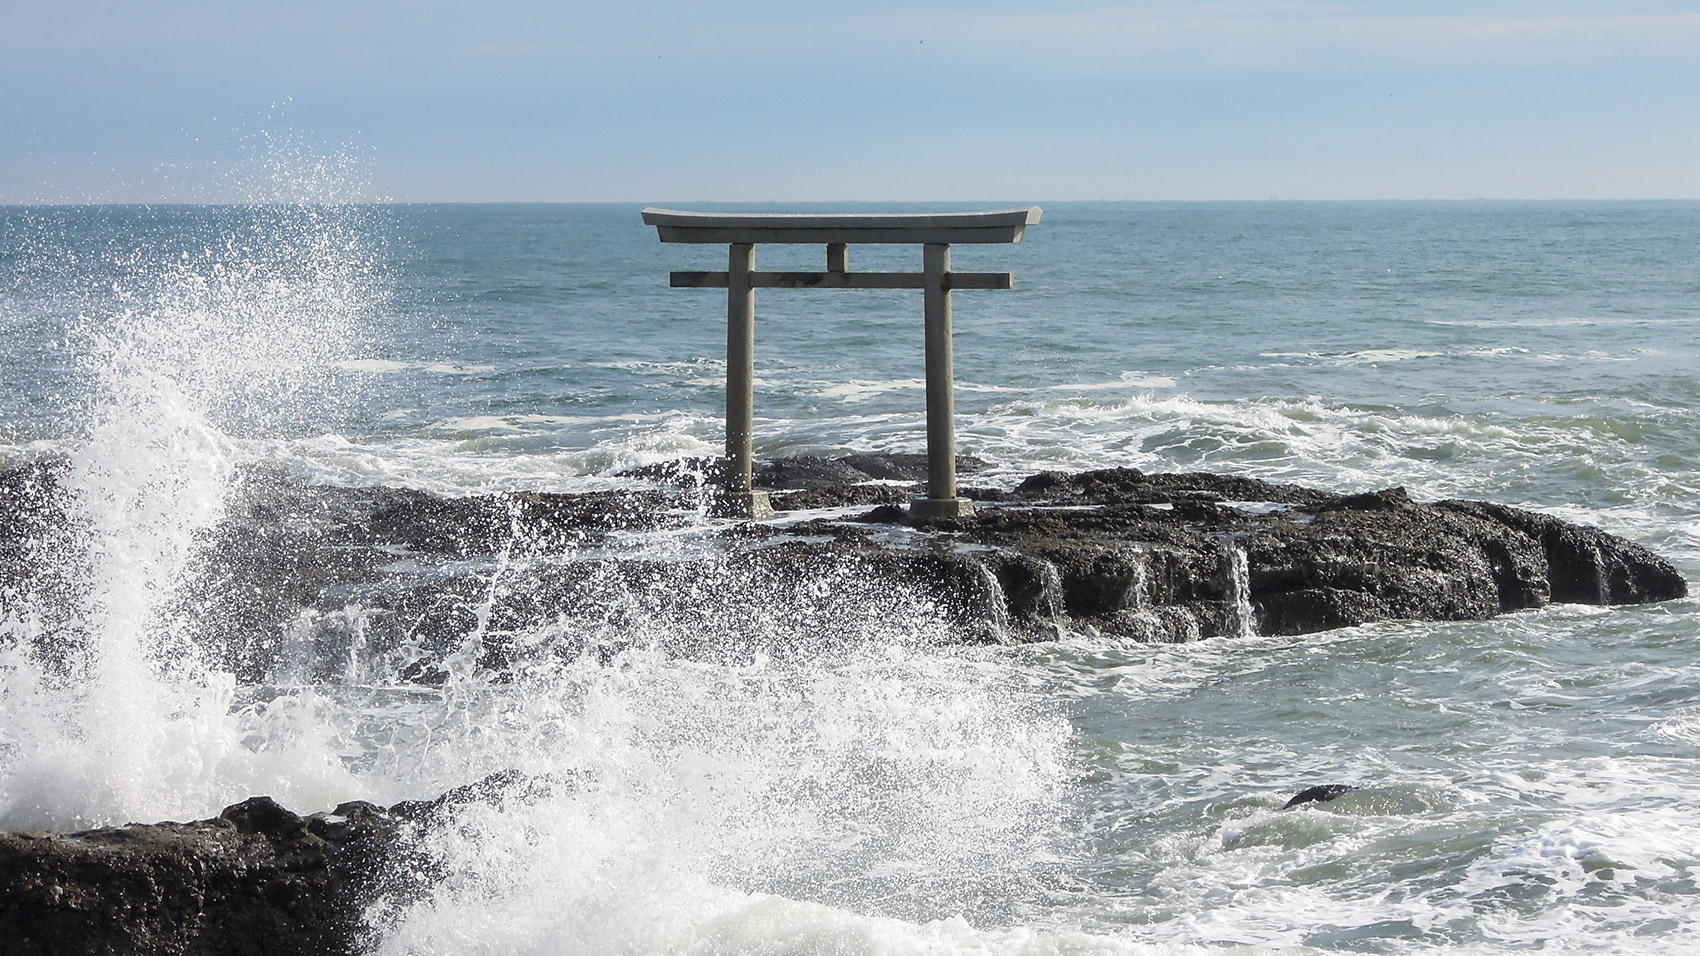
941	500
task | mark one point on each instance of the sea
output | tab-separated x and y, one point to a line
1525	784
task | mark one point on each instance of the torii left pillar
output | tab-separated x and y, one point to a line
740	498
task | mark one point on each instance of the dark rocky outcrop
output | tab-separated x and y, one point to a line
257	880
308	580
305	582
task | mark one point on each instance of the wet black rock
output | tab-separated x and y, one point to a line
257	879
316	583
1319	794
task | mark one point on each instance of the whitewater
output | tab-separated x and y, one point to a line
851	780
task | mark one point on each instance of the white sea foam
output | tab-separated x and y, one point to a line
449	368
373	366
717	921
859	391
513	457
478	423
1127	380
1682	726
1387	356
716	367
712	802
1559	322
1592	876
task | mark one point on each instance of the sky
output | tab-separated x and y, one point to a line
660	101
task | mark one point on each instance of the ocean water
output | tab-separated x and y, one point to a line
1527	784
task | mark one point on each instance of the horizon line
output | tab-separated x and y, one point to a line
62	204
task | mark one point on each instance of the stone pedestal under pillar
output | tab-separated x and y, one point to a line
731	503
932	509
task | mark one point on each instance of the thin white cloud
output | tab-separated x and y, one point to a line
1160	35
1131	39
1140	38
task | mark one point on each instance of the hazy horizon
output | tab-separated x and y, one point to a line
986	204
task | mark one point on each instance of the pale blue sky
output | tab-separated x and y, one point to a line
749	101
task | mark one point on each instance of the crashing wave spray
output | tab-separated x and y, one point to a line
706	737
772	800
223	322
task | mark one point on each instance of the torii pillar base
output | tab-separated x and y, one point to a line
933	509
751	505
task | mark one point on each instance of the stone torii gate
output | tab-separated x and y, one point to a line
934	231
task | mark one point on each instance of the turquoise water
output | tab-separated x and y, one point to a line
1529	782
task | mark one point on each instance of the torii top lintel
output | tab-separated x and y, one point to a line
1000	225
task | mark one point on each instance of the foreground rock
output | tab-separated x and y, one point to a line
257	879
317	583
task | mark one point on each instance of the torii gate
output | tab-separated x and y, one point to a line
935	231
